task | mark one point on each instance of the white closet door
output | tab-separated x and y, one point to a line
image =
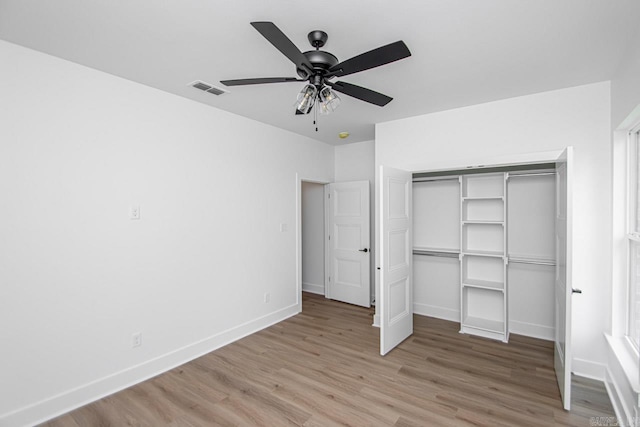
396	288
349	274
563	291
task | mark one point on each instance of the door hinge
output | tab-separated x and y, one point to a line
329	195
329	236
329	278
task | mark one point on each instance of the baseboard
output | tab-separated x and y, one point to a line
615	397
95	390
589	369
437	312
376	320
520	328
621	381
532	330
313	288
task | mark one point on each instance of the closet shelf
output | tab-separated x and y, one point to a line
483	284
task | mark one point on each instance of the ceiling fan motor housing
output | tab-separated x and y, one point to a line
320	60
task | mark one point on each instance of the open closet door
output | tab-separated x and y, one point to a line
396	289
349	243
563	285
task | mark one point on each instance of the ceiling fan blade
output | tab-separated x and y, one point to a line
259	81
281	42
374	58
361	93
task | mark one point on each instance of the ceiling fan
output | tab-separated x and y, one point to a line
318	67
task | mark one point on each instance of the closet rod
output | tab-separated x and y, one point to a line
531	261
436	254
531	174
435	179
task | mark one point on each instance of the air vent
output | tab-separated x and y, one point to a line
206	87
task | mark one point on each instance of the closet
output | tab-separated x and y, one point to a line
484	249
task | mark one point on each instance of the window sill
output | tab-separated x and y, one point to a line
628	359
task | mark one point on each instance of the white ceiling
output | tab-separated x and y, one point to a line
464	52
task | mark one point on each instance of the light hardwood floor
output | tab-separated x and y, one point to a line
322	368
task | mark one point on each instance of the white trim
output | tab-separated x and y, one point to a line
299	284
299	242
480	163
532	330
521	328
449	314
483	163
631	204
626	360
313	288
614	396
54	406
589	369
619	243
327	252
621	379
376	320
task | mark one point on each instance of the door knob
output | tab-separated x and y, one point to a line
364	250
576	291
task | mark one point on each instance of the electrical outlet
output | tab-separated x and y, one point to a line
134	212
136	339
267	297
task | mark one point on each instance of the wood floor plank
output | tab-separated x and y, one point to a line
323	368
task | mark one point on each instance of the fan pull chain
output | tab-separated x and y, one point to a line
315	115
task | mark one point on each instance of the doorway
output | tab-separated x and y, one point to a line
313	232
396	296
333	241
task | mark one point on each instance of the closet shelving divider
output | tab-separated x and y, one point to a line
483	256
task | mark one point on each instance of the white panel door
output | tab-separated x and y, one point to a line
396	289
348	242
563	289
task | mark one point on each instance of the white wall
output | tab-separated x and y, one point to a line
78	277
313	237
355	162
501	131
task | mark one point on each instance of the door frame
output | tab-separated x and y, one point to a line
299	181
506	161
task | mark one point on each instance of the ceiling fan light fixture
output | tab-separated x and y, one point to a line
317	66
329	100
306	99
